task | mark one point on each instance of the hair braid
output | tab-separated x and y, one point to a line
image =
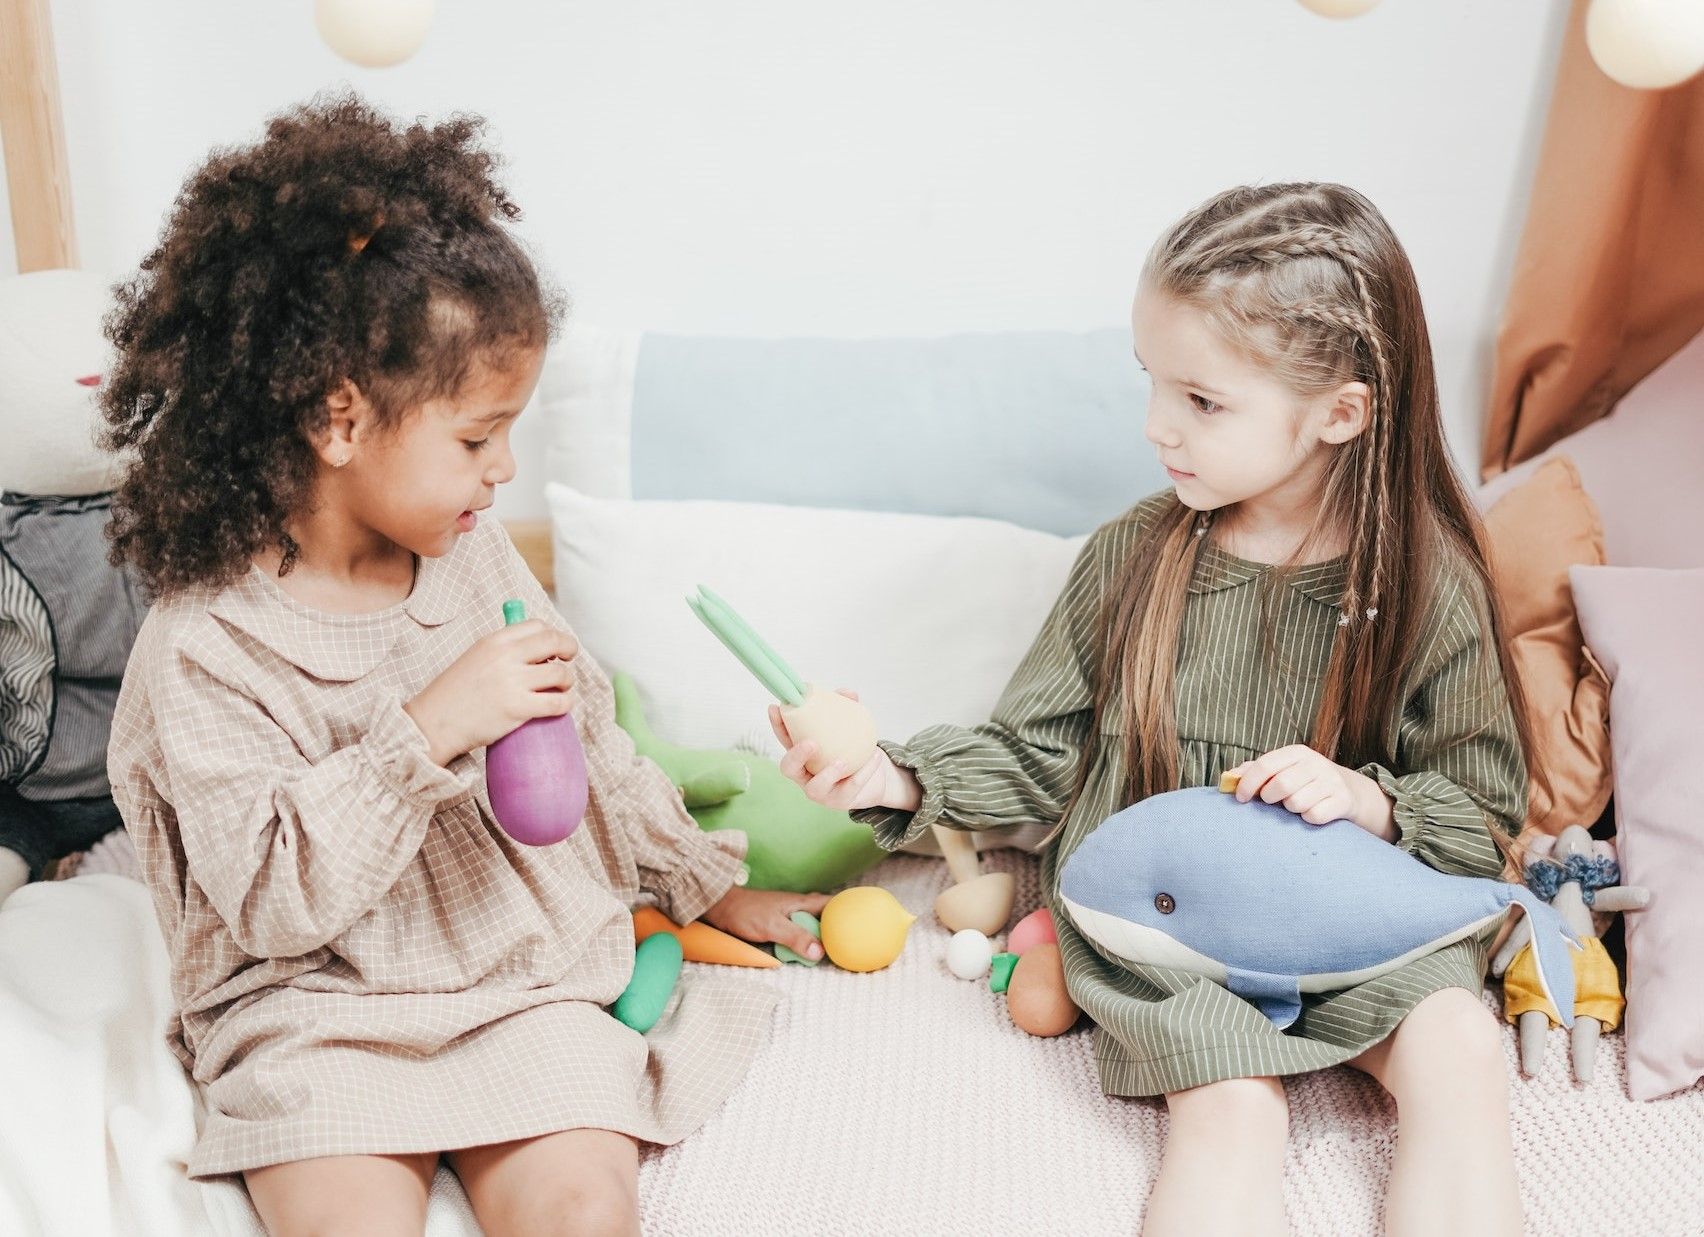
1309	281
1383	413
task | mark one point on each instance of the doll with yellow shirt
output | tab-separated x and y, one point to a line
1577	877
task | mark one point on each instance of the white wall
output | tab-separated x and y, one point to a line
876	167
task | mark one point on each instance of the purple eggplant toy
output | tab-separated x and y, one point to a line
536	774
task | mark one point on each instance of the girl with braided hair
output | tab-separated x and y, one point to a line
317	373
1310	608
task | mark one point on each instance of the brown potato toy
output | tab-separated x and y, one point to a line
1036	997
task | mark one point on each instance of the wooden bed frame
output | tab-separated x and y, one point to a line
38	186
532	539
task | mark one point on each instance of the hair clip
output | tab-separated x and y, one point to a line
1343	619
1372	614
358	242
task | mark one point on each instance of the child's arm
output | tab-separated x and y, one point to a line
290	853
1464	774
688	869
1020	766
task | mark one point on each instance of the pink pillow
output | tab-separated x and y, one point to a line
1644	626
1641	466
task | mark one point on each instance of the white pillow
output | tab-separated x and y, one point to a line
925	617
586	396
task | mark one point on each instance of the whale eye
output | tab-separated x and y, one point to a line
1165	903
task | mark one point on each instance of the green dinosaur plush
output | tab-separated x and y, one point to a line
795	844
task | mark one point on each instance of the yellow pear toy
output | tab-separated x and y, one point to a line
863	928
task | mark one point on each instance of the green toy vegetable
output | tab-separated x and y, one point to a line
809	923
656	970
795	845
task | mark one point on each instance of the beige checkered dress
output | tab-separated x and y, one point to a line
1459	775
363	962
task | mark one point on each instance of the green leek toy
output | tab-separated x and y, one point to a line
842	729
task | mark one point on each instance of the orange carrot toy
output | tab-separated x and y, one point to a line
699	942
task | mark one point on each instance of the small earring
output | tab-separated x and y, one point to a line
340	461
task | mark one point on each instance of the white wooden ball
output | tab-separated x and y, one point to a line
373	33
969	954
1647	44
1338	8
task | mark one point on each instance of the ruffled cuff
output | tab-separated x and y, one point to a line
1438	822
894	828
401	760
1408	809
709	865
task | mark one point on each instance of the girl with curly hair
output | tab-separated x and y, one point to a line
318	371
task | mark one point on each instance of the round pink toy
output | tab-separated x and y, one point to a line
536	774
1035	928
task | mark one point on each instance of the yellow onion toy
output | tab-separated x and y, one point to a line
864	928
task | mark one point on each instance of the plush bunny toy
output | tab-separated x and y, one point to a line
67	617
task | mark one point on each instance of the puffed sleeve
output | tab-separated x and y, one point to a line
1463	773
686	868
1019	767
289	852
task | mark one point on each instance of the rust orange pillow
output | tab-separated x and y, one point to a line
1538	530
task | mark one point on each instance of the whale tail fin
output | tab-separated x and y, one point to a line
1552	946
1279	997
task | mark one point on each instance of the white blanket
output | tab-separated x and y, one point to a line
901	1102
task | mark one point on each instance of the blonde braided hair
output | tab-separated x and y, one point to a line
1309	280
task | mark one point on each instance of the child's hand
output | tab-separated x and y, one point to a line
879	783
1316	789
759	916
511	676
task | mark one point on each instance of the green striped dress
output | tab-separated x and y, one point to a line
1459	775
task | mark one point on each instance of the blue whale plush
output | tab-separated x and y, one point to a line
1253	897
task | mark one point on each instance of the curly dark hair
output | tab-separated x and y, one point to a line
342	246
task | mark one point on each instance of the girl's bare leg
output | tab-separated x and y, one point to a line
379	1195
1223	1171
1454	1169
581	1182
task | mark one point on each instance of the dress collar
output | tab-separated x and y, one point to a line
338	648
1217	570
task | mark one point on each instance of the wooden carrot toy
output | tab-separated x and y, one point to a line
699	941
842	729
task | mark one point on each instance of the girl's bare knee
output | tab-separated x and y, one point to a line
600	1208
338	1195
1236	1106
1448	1035
579	1182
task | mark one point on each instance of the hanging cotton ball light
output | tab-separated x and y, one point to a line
373	33
1647	44
1338	8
